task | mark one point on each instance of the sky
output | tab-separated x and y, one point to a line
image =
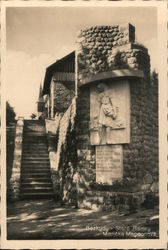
38	36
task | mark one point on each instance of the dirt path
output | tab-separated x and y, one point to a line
46	219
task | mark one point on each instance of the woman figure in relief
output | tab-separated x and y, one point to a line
107	114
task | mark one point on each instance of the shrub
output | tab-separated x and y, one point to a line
10	114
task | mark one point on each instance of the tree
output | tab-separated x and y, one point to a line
33	116
10	114
154	78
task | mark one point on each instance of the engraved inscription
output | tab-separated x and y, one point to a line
109	165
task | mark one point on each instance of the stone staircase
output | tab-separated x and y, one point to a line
35	168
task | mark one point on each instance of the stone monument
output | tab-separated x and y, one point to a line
112	108
110	154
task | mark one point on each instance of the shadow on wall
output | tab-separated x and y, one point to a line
62	153
68	167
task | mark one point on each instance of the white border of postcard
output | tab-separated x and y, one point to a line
163	93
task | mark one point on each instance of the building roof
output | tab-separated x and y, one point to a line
64	65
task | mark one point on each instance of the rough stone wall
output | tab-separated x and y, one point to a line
62	148
141	155
62	97
65	154
68	167
104	48
85	152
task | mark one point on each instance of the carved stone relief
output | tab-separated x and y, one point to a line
109	114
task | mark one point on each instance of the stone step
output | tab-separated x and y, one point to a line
39	163
36	190
32	169
34	127
32	196
35	142
34	151
24	176
35	170
33	165
36	184
33	133
34	137
35	156
35	161
36	179
34	121
34	147
38	166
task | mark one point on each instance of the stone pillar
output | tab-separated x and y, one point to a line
114	136
52	86
16	169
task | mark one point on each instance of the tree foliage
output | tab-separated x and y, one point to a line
10	114
33	116
154	77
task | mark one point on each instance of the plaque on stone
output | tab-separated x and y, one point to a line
109	164
110	113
